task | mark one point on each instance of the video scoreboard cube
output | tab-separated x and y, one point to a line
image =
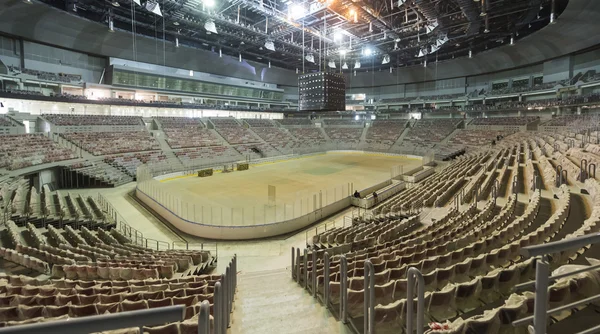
321	91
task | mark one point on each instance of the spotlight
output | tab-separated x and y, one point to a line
269	45
343	52
153	7
386	59
367	52
209	3
210	27
176	42
240	57
512	40
470	54
296	11
28	2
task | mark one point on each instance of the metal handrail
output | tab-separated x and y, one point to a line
369	299
343	288
542	277
100	323
412	274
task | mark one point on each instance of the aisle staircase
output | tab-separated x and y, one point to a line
172	160
271	302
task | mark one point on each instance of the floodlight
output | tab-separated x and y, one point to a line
210	27
269	45
470	54
343	52
386	59
367	52
296	11
153	7
209	3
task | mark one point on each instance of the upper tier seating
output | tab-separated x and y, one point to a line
180	122
73	120
342	122
191	137
504	120
238	135
430	131
225	122
101	143
20	151
294	122
573	120
258	122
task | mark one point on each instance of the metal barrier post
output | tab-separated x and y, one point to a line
314	273
223	306
204	318
305	268
343	288
542	271
293	265
217	308
411	274
298	273
326	279
369	300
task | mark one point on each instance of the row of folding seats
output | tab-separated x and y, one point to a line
444	304
24	260
45	256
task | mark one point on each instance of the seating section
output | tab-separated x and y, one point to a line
385	132
504	120
294	122
129	162
425	134
343	122
102	143
238	135
180	122
258	122
20	151
182	137
477	137
5	122
225	122
77	120
572	120
206	156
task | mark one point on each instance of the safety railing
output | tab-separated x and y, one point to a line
543	279
101	323
223	300
136	237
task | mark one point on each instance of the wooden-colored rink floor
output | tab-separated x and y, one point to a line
301	185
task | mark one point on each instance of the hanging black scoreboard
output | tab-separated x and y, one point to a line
321	91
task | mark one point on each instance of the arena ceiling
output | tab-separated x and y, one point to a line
309	35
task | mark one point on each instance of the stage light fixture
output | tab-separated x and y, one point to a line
210	27
269	45
386	59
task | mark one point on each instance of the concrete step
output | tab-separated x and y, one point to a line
271	302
